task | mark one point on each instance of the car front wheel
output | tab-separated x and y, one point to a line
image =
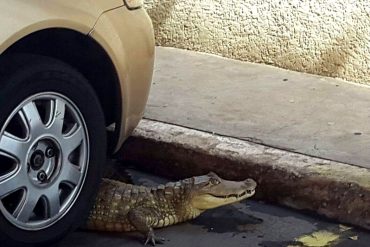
52	147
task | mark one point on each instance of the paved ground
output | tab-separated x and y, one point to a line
305	113
309	114
249	223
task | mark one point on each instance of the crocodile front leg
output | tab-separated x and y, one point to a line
143	219
153	239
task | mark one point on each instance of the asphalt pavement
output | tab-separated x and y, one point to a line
248	223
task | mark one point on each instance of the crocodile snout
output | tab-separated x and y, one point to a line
250	184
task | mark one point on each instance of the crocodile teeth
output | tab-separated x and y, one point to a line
236	195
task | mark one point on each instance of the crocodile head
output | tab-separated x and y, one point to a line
211	191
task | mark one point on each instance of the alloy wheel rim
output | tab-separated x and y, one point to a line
44	153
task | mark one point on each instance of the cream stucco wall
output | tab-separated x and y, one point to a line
326	37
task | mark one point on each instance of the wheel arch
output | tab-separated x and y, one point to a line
89	58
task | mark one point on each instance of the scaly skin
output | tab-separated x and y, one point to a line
125	207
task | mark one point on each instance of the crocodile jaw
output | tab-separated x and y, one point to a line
208	201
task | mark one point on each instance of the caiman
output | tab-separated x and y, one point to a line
123	207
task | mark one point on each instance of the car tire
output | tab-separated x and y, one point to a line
52	148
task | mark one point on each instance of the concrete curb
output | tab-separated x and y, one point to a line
335	190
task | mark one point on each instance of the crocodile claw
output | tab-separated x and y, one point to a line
153	240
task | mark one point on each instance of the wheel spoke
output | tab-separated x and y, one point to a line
13	146
24	122
33	118
11	184
70	173
58	116
25	211
72	140
53	200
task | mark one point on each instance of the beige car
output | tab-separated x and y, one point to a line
75	77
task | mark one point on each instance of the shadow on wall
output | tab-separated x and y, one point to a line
163	11
334	59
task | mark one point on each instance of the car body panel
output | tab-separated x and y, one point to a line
34	15
131	48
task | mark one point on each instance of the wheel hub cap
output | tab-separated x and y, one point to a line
44	155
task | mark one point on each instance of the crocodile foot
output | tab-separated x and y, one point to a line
152	239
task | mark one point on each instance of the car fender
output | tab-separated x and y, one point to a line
131	49
20	18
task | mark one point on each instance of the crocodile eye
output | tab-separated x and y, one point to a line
214	181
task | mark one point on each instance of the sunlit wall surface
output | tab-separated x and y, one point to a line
326	37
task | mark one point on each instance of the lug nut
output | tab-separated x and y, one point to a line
50	152
41	176
37	160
